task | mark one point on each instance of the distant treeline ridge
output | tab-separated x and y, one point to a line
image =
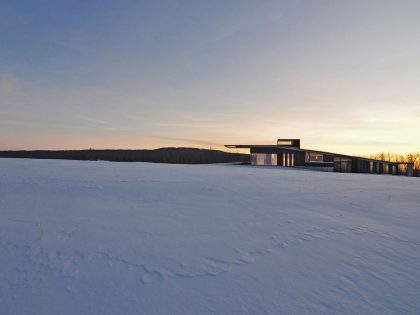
163	155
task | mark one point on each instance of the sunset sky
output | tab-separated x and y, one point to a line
344	76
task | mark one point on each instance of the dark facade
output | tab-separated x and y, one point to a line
287	152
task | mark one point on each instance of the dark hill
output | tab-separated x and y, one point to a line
163	155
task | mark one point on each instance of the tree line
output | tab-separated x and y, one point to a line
402	158
162	155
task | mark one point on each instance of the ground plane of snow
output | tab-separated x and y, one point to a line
136	238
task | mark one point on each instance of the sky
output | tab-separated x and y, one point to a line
343	76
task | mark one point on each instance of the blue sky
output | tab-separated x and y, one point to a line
341	75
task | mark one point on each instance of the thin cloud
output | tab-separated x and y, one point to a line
93	120
187	125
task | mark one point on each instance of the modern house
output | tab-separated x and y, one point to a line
287	152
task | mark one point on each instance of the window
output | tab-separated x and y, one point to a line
260	159
314	157
284	142
263	159
270	159
273	159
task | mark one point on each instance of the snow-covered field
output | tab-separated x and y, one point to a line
137	238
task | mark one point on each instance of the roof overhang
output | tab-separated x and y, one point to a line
247	146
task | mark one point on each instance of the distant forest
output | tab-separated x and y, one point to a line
402	158
163	155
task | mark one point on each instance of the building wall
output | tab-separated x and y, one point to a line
321	168
322	161
328	158
342	164
285	157
361	166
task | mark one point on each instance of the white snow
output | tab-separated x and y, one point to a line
137	238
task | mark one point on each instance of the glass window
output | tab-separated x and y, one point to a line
314	157
267	159
263	159
260	159
284	142
273	159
